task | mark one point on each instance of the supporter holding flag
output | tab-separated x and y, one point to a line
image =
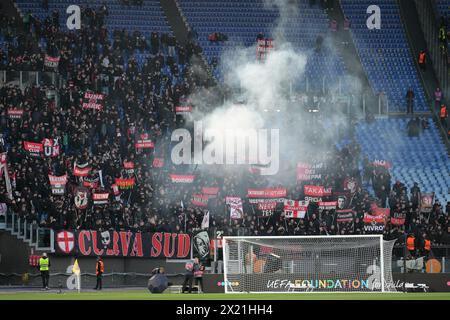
198	273
188	276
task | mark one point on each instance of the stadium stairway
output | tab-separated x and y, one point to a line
241	21
180	29
13	253
429	14
417	42
422	159
385	53
343	42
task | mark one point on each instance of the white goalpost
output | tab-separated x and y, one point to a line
286	264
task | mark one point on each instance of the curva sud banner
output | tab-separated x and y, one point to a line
123	244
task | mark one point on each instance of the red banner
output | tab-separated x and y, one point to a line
125	183
158	162
317	191
200	200
128	165
91	183
382	163
144	142
182	178
210	191
330	205
100	198
14	113
376	211
33	148
266	193
368	218
398	219
123	244
81	170
183	109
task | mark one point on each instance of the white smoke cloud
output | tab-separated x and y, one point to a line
264	97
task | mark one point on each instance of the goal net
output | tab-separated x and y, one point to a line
308	264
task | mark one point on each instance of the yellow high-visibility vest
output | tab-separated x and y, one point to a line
43	264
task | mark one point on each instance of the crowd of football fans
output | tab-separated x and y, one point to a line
141	99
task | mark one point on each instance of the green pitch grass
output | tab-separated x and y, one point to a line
145	295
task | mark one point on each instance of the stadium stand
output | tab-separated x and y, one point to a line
146	18
243	21
385	54
443	8
139	105
421	159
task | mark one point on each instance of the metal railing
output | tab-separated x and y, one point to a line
429	22
29	78
358	103
30	232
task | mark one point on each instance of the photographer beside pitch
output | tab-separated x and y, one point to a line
199	269
193	270
188	276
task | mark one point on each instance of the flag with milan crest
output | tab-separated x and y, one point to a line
65	241
81	197
236	208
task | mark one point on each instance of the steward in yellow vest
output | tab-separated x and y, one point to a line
44	265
